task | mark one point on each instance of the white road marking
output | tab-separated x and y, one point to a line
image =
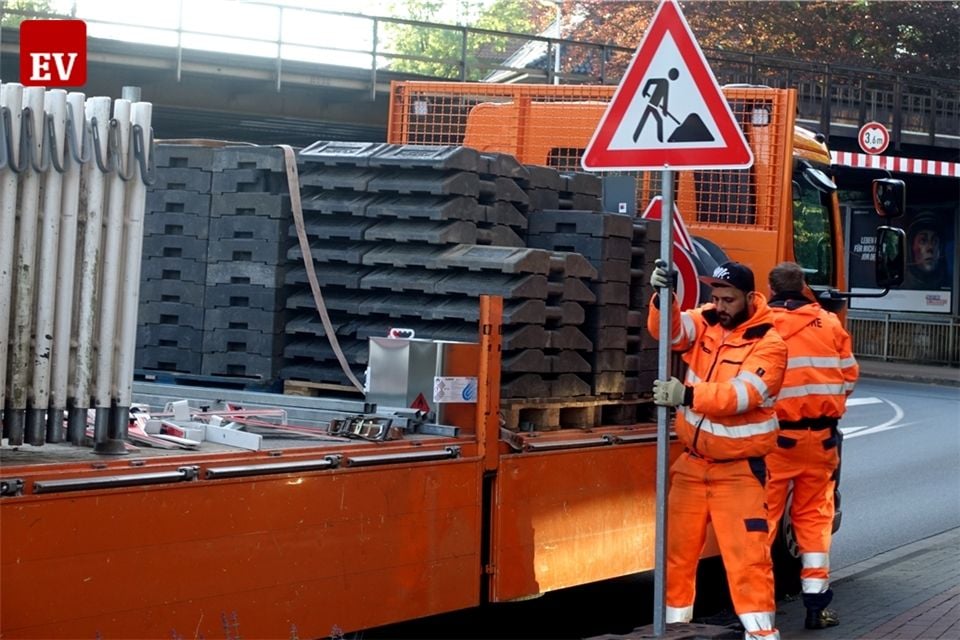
856	402
893	423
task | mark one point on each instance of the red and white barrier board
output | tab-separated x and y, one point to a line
896	163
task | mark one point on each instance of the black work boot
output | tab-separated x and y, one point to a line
821	619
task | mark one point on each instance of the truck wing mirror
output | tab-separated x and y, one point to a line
889	197
891	256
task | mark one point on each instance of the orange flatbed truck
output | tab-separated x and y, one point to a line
313	538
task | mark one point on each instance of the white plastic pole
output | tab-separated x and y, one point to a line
55	104
91	216
141	114
66	264
24	275
112	256
11	97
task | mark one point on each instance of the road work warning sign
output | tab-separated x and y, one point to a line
669	111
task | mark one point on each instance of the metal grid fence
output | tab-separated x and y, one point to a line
900	340
552	125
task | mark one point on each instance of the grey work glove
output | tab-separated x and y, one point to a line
669	393
661	277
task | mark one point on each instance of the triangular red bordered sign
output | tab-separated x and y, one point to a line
668	112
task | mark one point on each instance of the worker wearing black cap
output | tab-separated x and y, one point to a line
726	422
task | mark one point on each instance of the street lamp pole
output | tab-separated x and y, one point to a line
556	49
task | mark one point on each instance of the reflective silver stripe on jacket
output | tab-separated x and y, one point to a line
688	329
795	391
735	431
818	362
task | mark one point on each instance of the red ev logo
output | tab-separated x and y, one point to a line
53	53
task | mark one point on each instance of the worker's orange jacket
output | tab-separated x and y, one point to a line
735	379
821	369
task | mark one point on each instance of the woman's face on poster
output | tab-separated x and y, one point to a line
926	249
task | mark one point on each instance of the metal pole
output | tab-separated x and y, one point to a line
556	51
663	413
11	97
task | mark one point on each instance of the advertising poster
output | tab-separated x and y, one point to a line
931	260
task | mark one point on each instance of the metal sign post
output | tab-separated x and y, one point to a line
637	133
663	413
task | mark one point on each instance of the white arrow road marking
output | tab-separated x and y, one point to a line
856	402
893	423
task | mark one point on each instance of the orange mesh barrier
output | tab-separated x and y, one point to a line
552	124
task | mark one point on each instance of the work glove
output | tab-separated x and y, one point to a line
670	393
661	277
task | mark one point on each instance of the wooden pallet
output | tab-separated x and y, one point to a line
314	389
552	414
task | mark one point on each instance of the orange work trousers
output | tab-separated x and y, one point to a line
808	458
732	496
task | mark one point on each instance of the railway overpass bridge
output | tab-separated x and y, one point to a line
296	96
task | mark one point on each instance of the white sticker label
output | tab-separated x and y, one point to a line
454	389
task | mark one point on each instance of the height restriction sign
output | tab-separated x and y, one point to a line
668	112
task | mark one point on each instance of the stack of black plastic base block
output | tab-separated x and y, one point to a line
377	217
244	303
640	365
604	241
409	237
173	270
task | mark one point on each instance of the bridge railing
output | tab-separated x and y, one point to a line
916	109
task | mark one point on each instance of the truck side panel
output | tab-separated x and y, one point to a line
293	555
566	518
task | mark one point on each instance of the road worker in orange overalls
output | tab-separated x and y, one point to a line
726	422
821	373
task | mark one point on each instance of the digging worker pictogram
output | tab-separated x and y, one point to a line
657	91
821	373
726	422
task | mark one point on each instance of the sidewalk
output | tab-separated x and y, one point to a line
910	593
909	372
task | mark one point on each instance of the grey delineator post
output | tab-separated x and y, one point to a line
663	413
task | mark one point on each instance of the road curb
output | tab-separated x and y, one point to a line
894	555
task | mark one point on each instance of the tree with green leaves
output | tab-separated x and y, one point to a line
437	51
906	36
8	19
